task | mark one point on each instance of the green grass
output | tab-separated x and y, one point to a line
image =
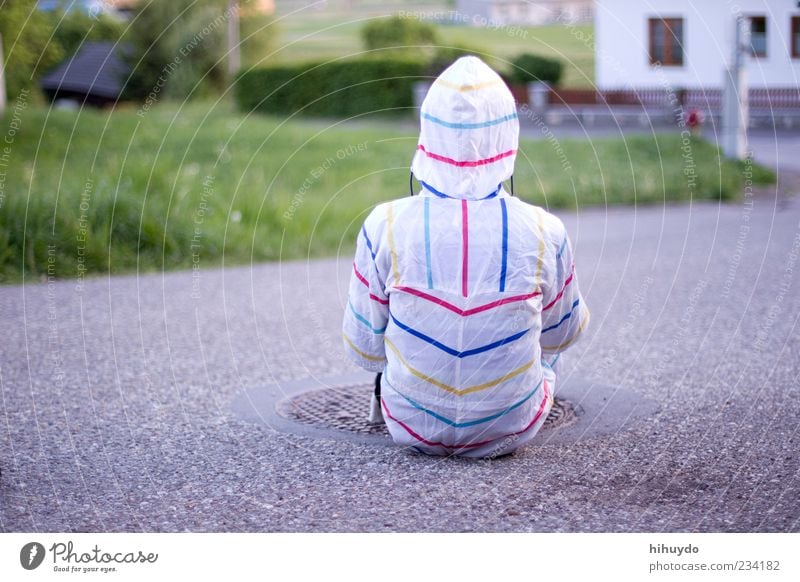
144	208
318	34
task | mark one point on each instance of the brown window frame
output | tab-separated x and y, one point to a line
794	36
671	40
753	52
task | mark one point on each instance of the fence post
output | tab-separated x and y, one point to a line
538	91
420	90
735	99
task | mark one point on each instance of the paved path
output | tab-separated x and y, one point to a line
776	149
116	399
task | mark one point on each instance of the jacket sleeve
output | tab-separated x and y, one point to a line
367	310
564	312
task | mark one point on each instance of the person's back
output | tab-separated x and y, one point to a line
458	294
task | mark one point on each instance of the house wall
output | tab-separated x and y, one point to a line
621	41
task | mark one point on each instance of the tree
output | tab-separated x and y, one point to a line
29	52
181	44
258	35
159	55
72	27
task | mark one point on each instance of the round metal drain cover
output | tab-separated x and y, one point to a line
345	408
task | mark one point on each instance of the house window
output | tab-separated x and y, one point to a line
666	41
758	36
795	40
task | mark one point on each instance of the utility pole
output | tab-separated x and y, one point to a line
735	110
234	59
2	79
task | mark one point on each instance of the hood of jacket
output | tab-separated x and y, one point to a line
469	133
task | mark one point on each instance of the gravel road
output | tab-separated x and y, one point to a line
117	396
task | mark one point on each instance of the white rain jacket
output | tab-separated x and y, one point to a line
459	294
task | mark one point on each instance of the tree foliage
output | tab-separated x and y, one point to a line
182	44
72	28
258	33
28	49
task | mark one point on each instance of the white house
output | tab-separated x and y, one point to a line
689	44
524	12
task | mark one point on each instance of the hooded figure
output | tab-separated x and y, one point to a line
463	296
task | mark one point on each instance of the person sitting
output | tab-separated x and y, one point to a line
464	296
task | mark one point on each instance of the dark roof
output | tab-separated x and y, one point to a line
96	69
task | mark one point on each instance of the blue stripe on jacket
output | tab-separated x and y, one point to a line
563	318
364	320
453	352
478	125
504	264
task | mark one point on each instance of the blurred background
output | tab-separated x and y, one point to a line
142	135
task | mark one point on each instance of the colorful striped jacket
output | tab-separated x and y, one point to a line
463	294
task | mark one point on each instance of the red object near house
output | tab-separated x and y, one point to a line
694	118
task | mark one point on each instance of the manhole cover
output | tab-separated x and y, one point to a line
345	408
336	407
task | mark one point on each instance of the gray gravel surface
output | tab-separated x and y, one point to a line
116	397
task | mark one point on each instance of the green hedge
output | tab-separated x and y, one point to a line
527	68
333	89
397	31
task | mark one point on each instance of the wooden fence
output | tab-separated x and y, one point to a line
657	97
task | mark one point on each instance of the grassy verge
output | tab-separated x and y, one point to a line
91	191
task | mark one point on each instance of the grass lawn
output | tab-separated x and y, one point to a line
193	185
329	32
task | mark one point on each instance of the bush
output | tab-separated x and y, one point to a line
332	89
397	32
445	56
527	68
